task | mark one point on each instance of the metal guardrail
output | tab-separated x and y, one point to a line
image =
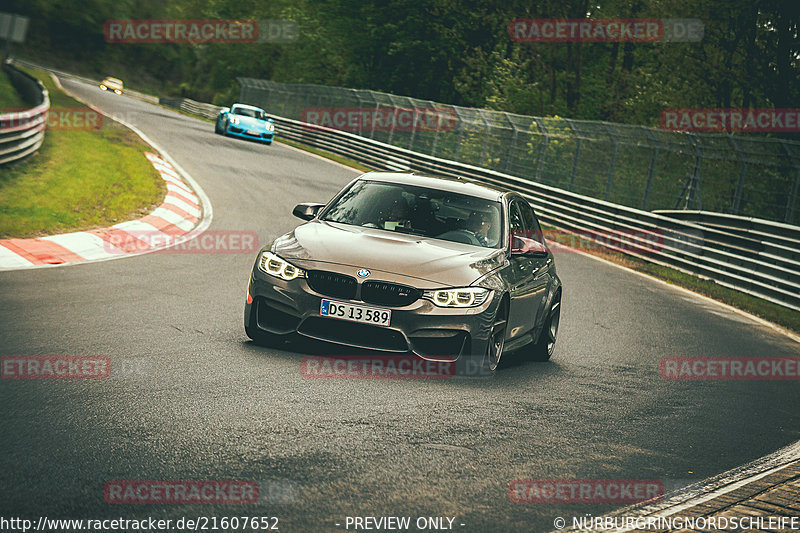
637	166
765	231
190	106
22	132
720	253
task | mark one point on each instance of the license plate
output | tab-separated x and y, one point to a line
251	132
356	313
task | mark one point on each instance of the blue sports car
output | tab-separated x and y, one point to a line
245	121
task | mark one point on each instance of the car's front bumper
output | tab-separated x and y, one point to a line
435	333
264	136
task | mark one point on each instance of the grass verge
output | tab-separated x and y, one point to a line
90	172
10	100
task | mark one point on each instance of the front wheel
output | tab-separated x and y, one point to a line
497	339
217	128
544	347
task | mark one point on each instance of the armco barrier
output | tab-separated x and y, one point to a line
638	166
728	257
190	106
22	132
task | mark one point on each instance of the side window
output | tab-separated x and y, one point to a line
532	227
516	224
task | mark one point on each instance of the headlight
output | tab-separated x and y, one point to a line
273	265
465	297
270	127
234	120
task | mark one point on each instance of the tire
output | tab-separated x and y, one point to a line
217	129
493	357
543	349
259	337
267	142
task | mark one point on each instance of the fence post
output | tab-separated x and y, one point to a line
413	124
375	112
545	141
613	164
512	144
482	113
691	191
460	133
792	200
737	195
651	169
577	157
438	127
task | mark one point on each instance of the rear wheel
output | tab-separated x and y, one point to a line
497	339
544	347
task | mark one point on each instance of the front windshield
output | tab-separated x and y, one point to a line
420	211
252	113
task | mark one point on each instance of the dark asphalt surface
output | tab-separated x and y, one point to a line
190	398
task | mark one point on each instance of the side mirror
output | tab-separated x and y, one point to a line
307	211
270	120
527	246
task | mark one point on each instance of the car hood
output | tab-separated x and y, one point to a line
250	122
389	256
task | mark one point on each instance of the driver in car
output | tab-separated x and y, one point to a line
399	215
478	224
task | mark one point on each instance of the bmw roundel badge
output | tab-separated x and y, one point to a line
362	273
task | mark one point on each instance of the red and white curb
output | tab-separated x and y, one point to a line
167	224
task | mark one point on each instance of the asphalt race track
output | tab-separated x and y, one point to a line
192	399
